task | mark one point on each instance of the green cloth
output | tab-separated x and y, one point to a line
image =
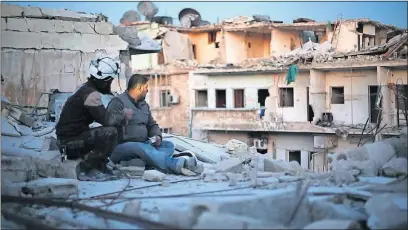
291	76
329	25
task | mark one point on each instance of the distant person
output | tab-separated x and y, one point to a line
137	125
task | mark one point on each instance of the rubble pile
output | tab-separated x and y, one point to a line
366	186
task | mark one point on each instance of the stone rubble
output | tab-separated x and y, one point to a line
350	194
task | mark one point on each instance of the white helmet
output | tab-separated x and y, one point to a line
104	67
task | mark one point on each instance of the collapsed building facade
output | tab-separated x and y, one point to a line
350	73
247	183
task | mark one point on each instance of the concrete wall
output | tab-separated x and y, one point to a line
284	41
40	54
346	38
237	46
176	116
355	109
206	52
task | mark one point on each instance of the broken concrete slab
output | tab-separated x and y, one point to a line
7	129
334	224
43	131
11	10
18	169
104	28
387	211
352	192
32	12
293	167
322	209
10	188
215	220
21	116
376	180
395	167
399	144
342	177
153	176
233	165
212	176
234	146
133	170
69	169
51	187
132	208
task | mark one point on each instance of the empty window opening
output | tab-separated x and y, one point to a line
194	52
337	95
402	97
201	98
212	37
239	98
217	45
166	130
249	45
294	156
286	98
375	108
262	95
309	36
220	98
164	98
368	41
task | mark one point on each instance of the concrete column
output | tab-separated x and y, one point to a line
229	94
317	98
384	77
211	98
304	159
271	103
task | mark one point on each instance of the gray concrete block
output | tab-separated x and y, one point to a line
322	209
334	224
395	167
60	14
17	24
64	26
132	208
233	165
20	40
113	42
92	42
3	24
104	28
68	41
84	27
18	169
153	175
11	10
51	187
32	12
41	25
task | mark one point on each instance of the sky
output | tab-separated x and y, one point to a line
394	13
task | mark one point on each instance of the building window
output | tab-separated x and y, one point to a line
194	51
249	45
164	98
295	156
212	37
286	97
217	45
239	101
201	98
220	98
262	95
337	95
166	130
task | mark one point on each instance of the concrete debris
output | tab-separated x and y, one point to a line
334	224
233	165
387	211
7	129
322	210
293	167
51	187
235	146
133	170
132	208
395	167
212	176
215	220
17	169
153	176
21	116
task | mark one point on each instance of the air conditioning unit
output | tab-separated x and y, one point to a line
260	144
174	99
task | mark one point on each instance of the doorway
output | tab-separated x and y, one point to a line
294	156
373	92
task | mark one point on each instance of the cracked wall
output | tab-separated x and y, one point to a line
45	49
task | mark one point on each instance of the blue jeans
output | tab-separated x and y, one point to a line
158	157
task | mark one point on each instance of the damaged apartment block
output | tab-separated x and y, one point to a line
297	125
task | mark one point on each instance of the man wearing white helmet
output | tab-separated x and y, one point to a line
84	107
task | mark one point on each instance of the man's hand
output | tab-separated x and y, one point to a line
157	142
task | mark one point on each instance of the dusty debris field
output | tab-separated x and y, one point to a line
366	188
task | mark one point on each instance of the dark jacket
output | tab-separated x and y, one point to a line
80	110
140	127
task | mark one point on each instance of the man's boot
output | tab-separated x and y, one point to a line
94	168
190	166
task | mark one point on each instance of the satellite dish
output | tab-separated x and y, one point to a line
189	17
148	9
130	16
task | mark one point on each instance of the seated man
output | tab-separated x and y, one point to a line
74	137
137	125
